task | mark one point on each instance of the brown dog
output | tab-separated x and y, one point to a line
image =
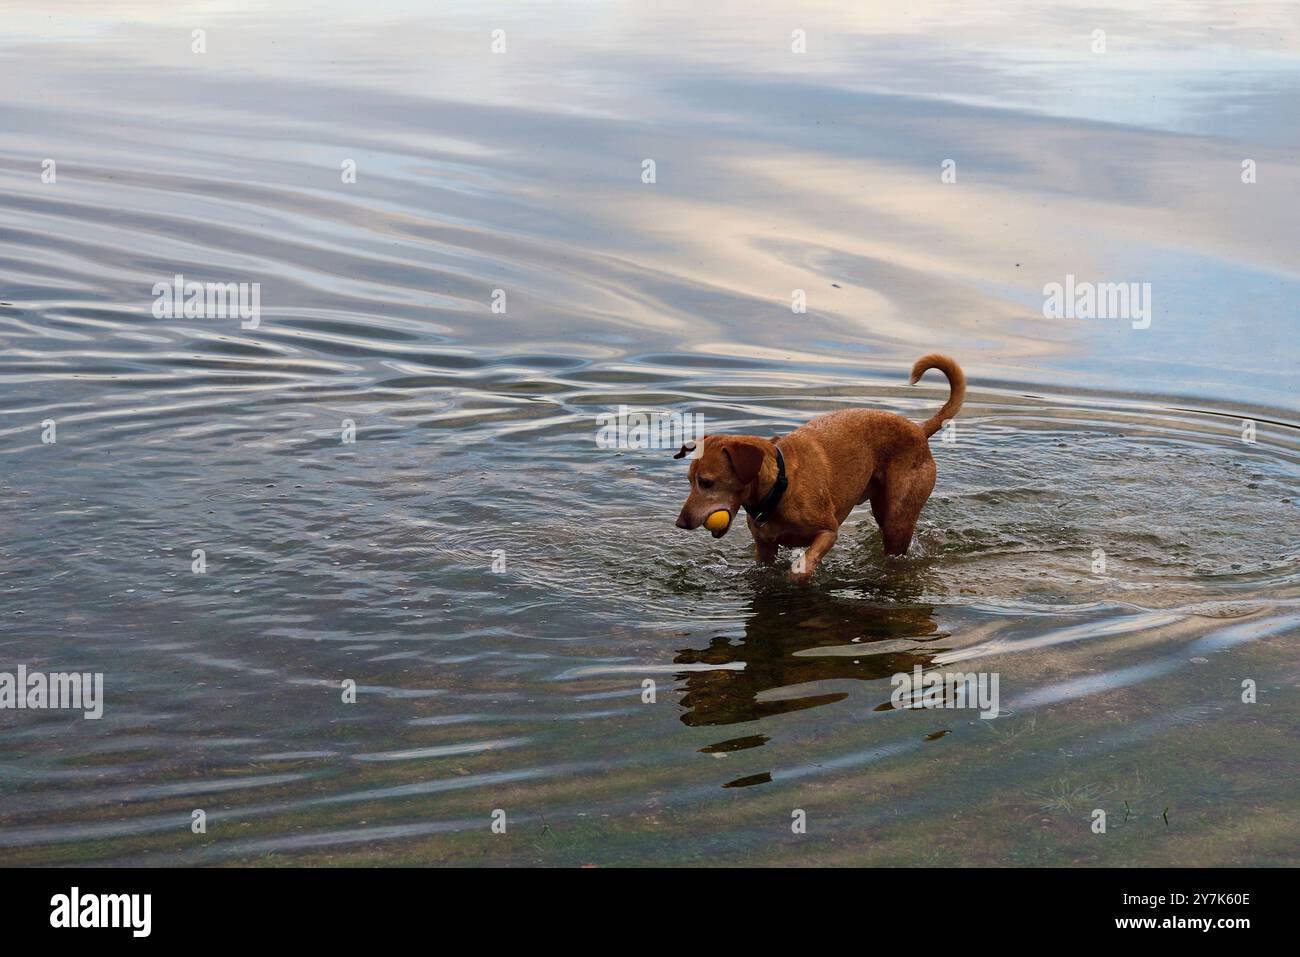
798	489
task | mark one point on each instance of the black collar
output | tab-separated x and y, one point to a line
766	507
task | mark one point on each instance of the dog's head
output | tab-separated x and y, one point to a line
720	476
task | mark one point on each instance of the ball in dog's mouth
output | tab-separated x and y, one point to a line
718	522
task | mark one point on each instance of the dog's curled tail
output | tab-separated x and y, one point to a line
956	389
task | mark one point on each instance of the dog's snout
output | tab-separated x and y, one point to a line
683	521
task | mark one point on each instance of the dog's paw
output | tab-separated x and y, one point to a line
799	578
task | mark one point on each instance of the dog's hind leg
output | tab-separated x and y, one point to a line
906	490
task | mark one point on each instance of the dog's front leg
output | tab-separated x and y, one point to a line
764	552
806	564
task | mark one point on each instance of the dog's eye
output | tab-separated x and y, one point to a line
704	483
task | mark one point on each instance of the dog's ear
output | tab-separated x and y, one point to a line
746	457
686	449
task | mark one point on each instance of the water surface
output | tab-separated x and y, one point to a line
498	586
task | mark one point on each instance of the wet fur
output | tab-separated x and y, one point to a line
834	463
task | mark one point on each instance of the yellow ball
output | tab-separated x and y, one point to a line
718	521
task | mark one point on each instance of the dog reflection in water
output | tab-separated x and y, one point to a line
780	628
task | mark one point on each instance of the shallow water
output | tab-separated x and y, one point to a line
521	688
